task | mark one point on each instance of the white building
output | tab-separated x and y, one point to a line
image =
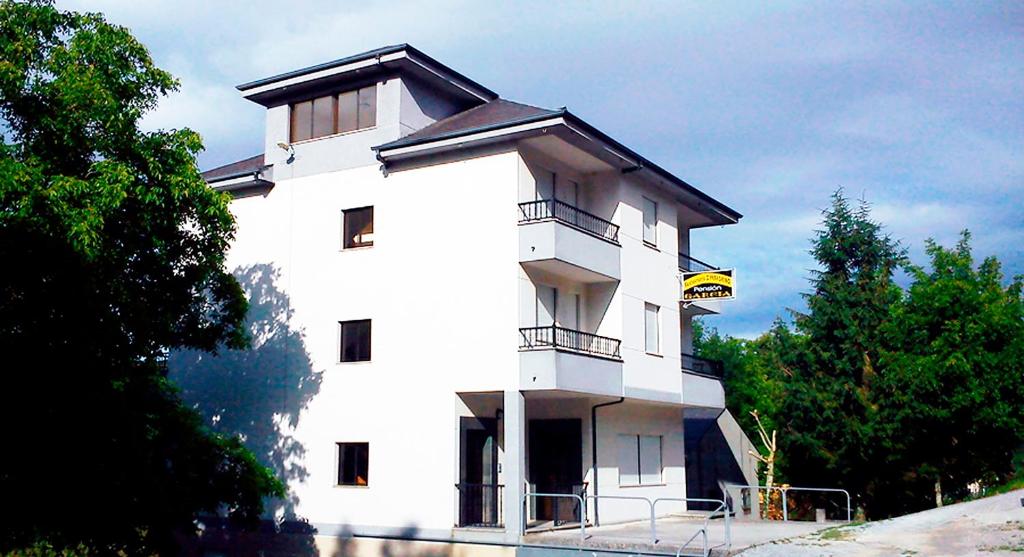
466	282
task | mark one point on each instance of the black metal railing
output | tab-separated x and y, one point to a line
561	211
703	366
480	505
553	336
689	264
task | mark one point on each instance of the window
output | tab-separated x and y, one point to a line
651	336
358	228
331	114
650	222
355	340
640	460
354	464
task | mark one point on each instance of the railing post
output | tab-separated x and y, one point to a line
785	508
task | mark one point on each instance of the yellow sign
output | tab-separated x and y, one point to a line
709	285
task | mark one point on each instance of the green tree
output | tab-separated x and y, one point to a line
828	409
114	254
952	394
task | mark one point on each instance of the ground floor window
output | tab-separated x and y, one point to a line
640	459
353	464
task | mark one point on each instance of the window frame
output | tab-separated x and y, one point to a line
341	340
635	455
344	228
653	242
336	114
657	329
339	461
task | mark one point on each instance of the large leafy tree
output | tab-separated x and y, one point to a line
113	250
952	397
828	408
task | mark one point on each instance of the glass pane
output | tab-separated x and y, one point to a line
651	328
629	467
353	463
302	121
323	116
355	341
650	459
359	227
347	118
368	106
650	221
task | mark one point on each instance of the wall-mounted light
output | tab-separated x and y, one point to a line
290	150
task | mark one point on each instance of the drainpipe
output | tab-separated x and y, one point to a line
593	447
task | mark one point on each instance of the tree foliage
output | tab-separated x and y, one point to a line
115	254
887	392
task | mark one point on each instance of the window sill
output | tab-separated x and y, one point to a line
357	362
356	248
630	486
332	136
351	486
655	354
652	246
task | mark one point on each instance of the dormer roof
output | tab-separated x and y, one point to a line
400	59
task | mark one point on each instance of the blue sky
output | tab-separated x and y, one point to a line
917	107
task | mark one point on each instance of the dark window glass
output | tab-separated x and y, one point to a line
359	227
353	463
348	119
368	107
355	341
302	121
323	116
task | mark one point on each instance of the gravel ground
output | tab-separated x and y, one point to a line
988	527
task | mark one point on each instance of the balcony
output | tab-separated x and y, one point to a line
564	240
702	381
689	264
703	366
556	358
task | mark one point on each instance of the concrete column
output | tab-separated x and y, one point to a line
514	467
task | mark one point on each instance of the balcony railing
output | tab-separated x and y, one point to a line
480	505
544	209
560	338
703	366
689	264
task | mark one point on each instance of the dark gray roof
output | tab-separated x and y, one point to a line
498	113
382	51
237	168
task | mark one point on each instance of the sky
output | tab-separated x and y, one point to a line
916	107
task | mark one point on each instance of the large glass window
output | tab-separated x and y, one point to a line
331	114
358	227
354	464
355	340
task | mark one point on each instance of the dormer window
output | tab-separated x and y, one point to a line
331	114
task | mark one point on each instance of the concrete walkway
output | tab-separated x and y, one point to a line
989	527
673	532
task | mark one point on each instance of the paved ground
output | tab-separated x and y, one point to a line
673	532
988	527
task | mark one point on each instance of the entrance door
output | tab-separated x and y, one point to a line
556	466
479	491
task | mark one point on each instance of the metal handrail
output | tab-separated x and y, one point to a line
544	209
583	521
785	490
469	491
553	336
702	366
707	519
690	264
